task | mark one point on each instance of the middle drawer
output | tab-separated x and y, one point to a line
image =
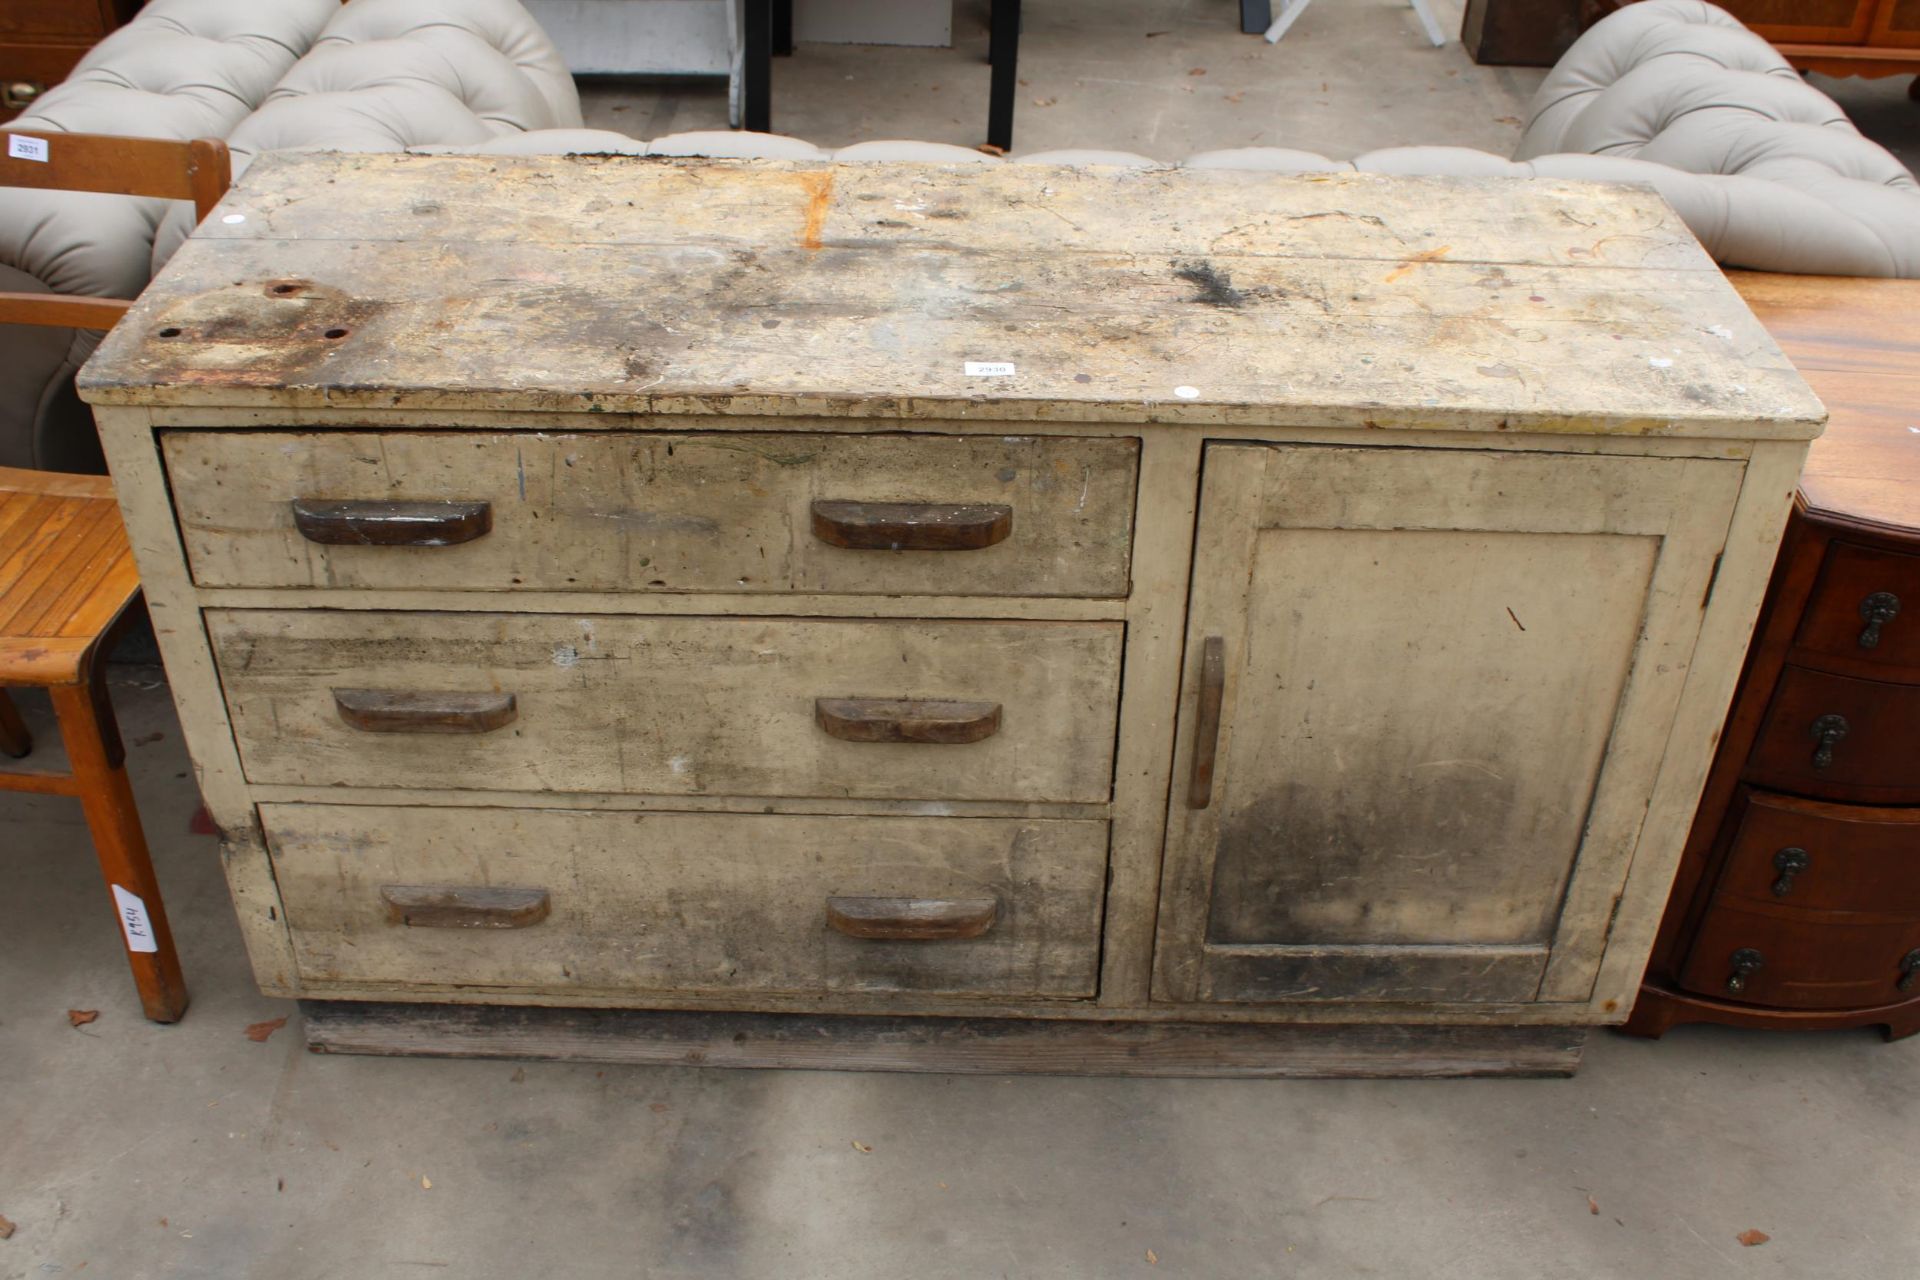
881	709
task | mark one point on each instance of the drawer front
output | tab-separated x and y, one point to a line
1840	738
555	901
622	511
954	710
1778	956
1865	612
1824	857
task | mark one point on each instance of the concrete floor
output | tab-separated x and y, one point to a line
130	1151
135	1152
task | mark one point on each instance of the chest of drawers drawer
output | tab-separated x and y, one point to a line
907	515
1840	738
1823	857
1864	614
554	900
1755	954
946	710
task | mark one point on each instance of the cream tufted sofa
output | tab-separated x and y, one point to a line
1673	93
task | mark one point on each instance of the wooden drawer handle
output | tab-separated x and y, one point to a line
401	711
391	524
452	906
1206	729
912	919
911	526
906	720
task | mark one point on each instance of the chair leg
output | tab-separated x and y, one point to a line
15	741
1003	51
86	723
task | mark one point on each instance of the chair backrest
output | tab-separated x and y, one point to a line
199	171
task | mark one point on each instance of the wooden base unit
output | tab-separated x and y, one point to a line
1798	901
1151	622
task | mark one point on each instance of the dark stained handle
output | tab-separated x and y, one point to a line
911	526
391	524
1206	730
906	720
912	919
1909	970
1877	610
406	711
1789	863
1827	732
453	906
1746	962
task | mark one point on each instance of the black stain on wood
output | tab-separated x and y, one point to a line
1215	286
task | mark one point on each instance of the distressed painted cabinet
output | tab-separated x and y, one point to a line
1133	616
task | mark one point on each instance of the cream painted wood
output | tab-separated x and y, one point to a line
632	911
1550	376
678	706
676	513
1451	679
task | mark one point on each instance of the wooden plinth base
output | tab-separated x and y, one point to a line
1660	1009
960	1045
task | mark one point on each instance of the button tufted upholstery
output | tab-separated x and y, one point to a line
180	69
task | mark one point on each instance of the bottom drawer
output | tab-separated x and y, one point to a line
555	901
1780	957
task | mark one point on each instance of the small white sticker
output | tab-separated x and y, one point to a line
1187	393
134	922
1660	362
234	219
21	147
989	369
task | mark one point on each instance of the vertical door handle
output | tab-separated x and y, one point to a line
1206	729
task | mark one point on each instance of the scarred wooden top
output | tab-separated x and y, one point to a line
627	285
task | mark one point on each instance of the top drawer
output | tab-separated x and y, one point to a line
1865	613
627	511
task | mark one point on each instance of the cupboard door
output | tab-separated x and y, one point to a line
1428	693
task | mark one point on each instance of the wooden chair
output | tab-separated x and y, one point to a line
67	578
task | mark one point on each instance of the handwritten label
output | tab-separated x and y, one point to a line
989	369
21	147
133	921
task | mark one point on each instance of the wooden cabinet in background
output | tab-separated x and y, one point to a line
41	40
1798	900
1838	37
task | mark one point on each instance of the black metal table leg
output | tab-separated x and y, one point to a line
782	28
756	107
1003	51
1256	16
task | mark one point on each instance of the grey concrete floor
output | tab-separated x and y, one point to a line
132	1151
136	1152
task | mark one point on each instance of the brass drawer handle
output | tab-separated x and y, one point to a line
911	526
16	95
1910	970
912	919
1828	730
1877	610
1789	863
405	711
452	906
1206	730
391	524
1746	962
906	720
